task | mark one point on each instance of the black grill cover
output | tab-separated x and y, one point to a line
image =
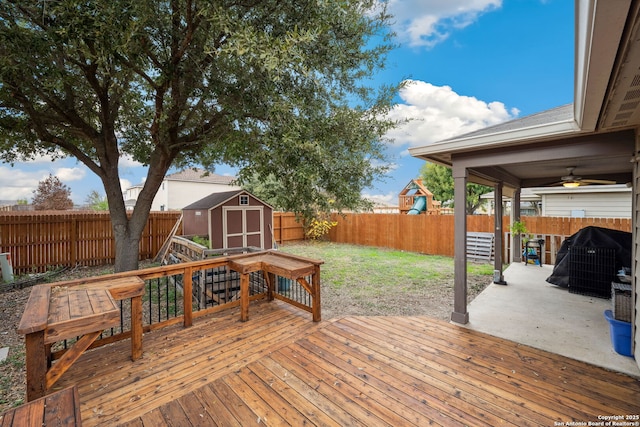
597	237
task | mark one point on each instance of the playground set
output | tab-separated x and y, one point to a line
415	199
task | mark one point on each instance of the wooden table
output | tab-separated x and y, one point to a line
61	408
281	264
57	313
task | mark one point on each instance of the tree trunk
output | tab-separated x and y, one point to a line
128	228
127	249
127	231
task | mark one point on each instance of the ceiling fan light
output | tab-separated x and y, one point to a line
571	184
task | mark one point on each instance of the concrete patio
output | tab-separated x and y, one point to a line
531	311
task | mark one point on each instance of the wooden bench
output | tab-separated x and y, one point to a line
125	288
277	263
57	313
61	408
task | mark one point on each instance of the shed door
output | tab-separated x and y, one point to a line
242	227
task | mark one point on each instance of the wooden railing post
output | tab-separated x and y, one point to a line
136	327
36	363
187	283
316	308
244	297
270	278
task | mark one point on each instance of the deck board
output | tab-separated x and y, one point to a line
279	368
458	371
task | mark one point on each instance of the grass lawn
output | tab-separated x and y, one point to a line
363	280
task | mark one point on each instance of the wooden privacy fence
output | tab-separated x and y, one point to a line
429	234
38	241
433	234
286	227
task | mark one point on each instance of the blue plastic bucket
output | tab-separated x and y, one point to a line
620	334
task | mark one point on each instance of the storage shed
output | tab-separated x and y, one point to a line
231	219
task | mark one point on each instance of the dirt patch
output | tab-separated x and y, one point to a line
406	300
437	303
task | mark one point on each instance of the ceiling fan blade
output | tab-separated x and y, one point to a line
598	181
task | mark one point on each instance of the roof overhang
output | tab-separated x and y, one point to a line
599	30
441	152
537	149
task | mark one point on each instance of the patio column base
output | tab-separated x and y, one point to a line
462	318
498	278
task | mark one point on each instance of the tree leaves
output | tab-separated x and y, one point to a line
52	194
439	180
278	88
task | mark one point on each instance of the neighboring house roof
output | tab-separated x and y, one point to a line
200	175
379	201
216	199
195	175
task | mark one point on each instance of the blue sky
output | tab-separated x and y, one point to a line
472	64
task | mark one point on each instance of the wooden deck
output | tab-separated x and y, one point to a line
279	368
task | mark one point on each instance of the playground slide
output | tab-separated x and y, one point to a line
419	205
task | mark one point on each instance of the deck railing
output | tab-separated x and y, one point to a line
179	293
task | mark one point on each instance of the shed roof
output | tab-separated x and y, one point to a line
214	200
200	175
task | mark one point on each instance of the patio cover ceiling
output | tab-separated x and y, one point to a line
595	134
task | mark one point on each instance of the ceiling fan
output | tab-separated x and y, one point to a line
572	181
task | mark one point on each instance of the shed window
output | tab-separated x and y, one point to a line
244	200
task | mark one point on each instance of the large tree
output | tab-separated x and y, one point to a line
439	180
278	88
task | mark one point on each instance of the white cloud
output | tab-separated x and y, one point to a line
70	174
18	184
428	22
437	113
126	161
